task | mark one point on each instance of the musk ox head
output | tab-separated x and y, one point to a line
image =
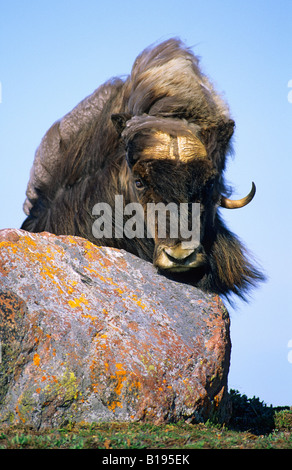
170	165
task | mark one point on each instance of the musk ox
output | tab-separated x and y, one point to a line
162	135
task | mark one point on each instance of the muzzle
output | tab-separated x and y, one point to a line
178	259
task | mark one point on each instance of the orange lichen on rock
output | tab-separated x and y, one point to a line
96	334
77	302
36	359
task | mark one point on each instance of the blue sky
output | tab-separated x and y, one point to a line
54	53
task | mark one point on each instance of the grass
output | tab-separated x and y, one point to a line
253	426
142	436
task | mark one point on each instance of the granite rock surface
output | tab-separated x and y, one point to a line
92	334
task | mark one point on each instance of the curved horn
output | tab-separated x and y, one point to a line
237	203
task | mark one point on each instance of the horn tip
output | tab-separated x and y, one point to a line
235	204
253	188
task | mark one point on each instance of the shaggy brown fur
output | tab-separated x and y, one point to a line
99	150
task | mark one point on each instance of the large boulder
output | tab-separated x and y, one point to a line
96	334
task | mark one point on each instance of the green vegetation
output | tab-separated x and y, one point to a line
253	425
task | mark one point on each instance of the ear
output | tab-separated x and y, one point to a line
222	131
227	130
119	120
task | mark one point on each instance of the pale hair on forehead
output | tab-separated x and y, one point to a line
180	147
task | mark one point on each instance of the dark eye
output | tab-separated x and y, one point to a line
139	183
209	186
